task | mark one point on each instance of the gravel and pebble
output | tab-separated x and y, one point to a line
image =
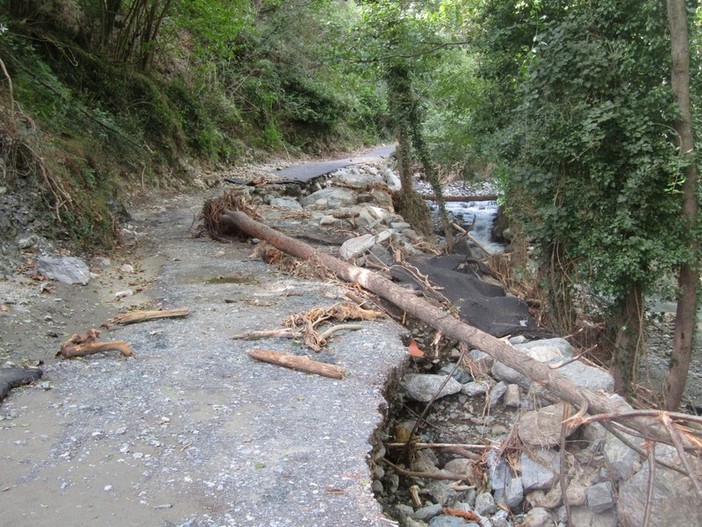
192	431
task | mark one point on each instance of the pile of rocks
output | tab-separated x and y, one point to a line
516	479
521	472
355	200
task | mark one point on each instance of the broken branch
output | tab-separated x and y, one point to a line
132	317
298	362
71	351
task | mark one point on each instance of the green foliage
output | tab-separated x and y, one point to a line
593	164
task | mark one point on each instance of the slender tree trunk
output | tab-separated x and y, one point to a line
415	124
411	205
688	275
628	340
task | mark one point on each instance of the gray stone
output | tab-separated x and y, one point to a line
357	178
449	521
553	351
496	393
537	517
101	262
392	179
622	460
369	215
514	494
400	225
498	474
511	397
422	387
441	490
423	461
382	255
600	497
356	246
327	220
460	374
542	427
485	504
588	376
501	519
25	242
403	510
547	500
381	198
467	468
288	203
539	469
67	270
474	388
425	513
329	198
674	501
584	517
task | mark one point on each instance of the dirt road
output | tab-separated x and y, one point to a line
190	432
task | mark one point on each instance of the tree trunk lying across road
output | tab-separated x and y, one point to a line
556	383
488	197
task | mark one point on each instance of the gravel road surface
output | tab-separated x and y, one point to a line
192	432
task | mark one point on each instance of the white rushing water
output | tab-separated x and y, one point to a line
478	217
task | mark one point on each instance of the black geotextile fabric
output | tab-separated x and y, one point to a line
480	304
14	377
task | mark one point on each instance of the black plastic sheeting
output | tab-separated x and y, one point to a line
482	305
14	377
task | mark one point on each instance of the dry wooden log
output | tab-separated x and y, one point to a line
264	334
69	351
552	380
298	362
132	317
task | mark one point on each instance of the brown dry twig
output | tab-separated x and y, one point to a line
305	325
85	344
298	362
467	515
133	317
429	475
212	210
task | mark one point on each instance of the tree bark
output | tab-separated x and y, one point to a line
688	274
451	327
628	340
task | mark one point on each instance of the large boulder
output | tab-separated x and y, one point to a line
329	198
674	500
554	351
67	269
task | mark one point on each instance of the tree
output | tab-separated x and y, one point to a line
592	171
404	40
688	274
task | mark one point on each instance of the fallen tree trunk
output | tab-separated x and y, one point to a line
487	197
298	362
557	384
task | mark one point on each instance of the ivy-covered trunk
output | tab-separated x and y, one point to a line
628	339
688	275
410	205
